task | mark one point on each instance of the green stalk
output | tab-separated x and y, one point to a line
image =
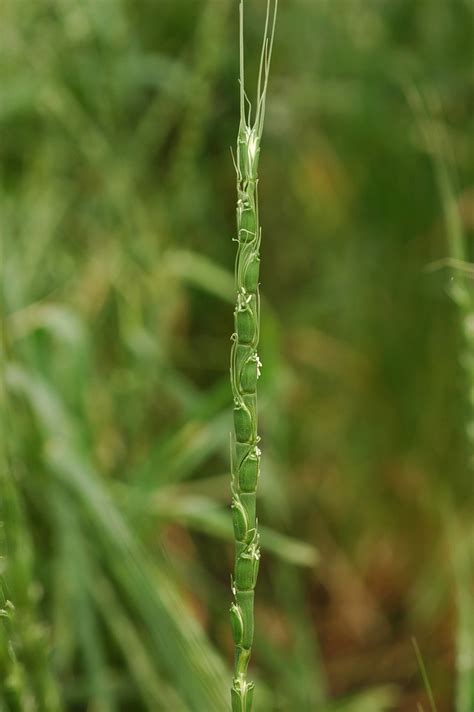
245	369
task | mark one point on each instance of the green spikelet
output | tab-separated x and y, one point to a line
245	370
237	624
239	519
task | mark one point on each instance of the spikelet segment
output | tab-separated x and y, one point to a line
242	694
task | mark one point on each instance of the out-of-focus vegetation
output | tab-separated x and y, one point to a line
117	218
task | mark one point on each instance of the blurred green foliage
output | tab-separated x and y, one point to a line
117	218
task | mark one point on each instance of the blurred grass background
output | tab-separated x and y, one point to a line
118	203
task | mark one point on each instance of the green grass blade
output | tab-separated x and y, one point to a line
181	646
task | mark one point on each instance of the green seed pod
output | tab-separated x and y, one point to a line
237	624
239	519
252	272
246	320
243	424
246	568
249	374
245	326
245	418
248	470
245	601
248	501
